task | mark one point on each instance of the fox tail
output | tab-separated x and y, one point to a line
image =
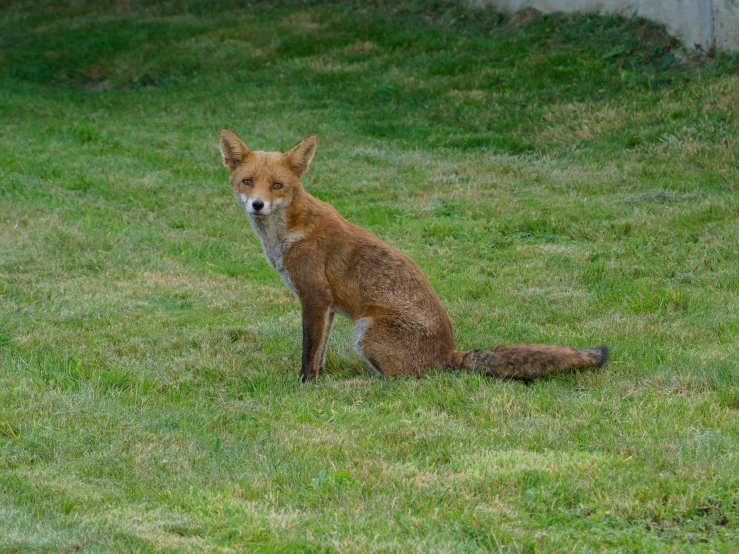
529	361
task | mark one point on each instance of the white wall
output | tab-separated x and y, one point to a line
699	24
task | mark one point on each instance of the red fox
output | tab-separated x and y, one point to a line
333	266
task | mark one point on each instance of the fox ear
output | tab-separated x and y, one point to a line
300	155
234	151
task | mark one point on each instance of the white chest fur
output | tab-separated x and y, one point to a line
275	239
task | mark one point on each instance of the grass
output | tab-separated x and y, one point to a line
564	179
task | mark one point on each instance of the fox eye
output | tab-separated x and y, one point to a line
248	182
277	186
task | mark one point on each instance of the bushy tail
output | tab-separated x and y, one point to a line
529	361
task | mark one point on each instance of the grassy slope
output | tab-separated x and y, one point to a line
559	179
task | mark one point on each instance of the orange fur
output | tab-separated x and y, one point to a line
333	266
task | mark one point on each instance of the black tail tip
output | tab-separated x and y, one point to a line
599	353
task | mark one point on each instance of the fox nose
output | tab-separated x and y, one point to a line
257	205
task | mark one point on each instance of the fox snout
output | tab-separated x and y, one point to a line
256	206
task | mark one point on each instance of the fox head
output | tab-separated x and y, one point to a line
264	182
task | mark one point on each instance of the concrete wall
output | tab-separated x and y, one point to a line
699	24
726	25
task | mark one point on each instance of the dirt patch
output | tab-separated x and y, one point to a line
522	17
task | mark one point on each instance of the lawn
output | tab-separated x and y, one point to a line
560	179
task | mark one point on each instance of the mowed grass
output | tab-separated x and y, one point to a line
562	179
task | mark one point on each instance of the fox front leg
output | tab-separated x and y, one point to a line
317	318
322	352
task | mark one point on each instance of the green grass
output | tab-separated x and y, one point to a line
563	179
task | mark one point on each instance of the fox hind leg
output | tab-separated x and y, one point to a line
361	326
387	349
